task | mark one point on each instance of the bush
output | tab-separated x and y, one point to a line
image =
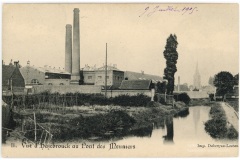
182	97
153	104
126	100
179	105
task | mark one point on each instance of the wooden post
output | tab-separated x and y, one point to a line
76	99
41	137
11	87
165	97
35	127
45	138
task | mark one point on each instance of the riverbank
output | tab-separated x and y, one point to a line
201	102
95	122
218	127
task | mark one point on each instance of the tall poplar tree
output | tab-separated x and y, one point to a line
171	55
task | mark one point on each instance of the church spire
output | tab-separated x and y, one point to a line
197	71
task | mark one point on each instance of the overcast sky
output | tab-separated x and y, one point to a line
207	34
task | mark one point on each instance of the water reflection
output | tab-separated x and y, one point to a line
143	132
196	118
170	131
187	125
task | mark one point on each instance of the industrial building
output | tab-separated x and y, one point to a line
73	75
96	76
92	75
44	75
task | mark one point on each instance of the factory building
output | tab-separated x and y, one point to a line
44	75
96	76
92	75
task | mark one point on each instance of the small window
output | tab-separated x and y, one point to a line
107	77
89	77
61	84
118	77
34	81
49	83
99	77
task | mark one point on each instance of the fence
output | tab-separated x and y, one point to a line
115	93
164	98
31	131
63	89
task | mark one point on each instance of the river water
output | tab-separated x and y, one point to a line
181	136
180	130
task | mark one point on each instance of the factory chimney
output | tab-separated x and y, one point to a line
68	49
75	77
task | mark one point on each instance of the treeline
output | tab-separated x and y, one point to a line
76	99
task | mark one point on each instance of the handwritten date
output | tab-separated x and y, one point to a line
149	11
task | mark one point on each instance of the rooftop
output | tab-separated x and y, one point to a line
135	84
142	76
7	71
48	69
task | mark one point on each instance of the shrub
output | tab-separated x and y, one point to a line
126	100
153	104
217	127
182	97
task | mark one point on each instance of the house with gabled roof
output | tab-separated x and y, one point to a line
12	78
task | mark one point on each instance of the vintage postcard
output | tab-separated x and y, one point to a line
120	80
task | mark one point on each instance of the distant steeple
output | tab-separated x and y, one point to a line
196	71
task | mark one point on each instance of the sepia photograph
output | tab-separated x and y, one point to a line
129	80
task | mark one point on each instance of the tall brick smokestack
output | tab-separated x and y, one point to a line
68	49
76	47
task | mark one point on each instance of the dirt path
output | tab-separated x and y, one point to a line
231	114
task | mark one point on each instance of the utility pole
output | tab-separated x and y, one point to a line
11	87
106	73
